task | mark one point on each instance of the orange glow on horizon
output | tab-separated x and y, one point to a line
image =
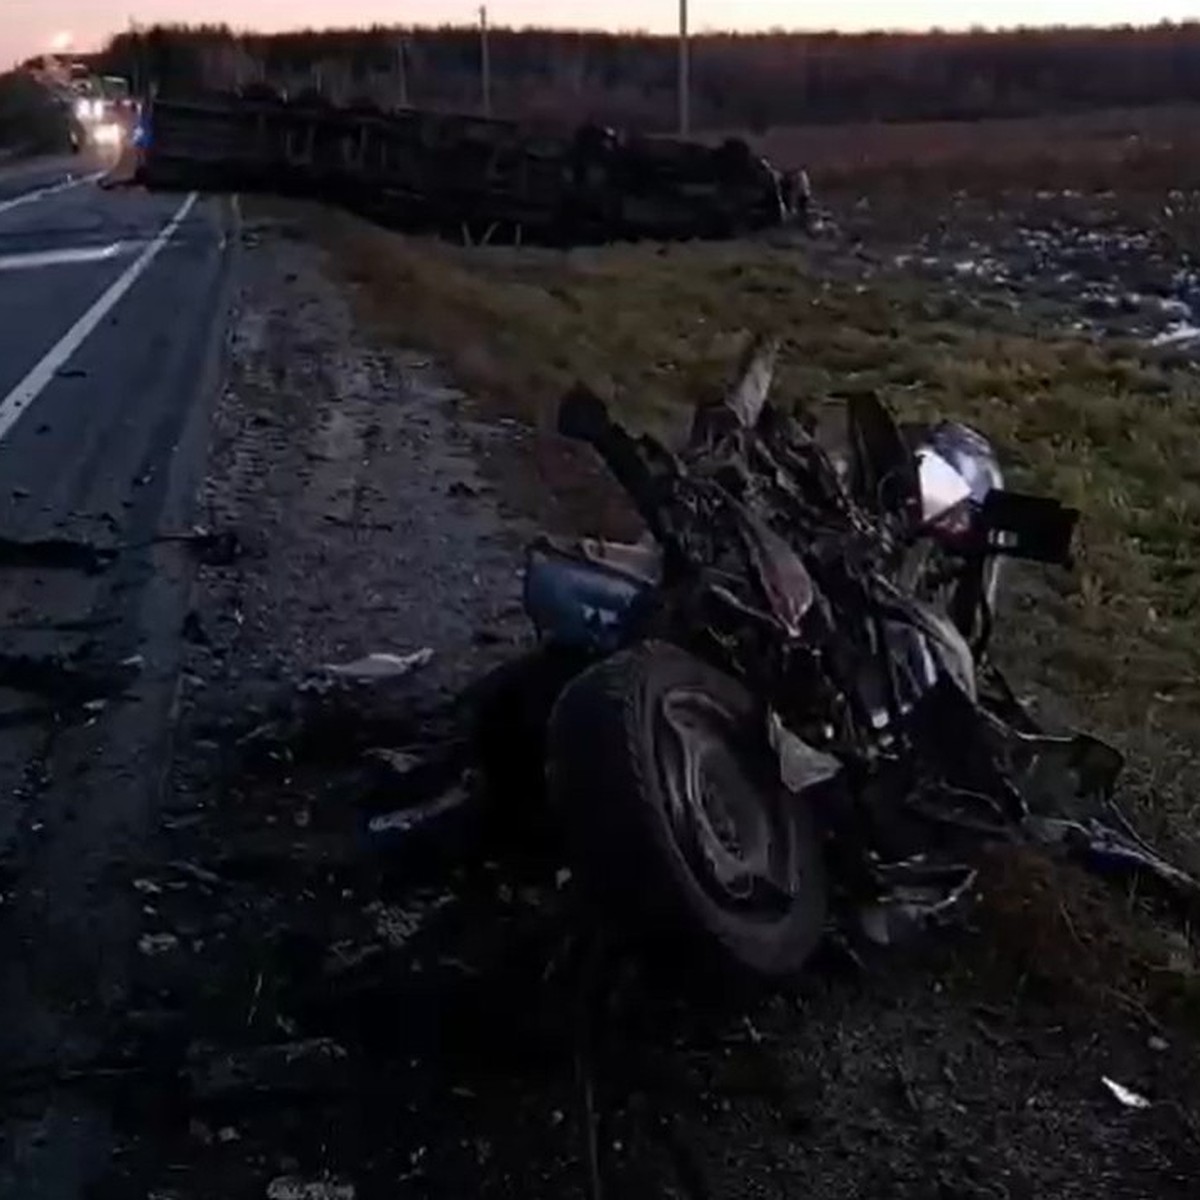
29	26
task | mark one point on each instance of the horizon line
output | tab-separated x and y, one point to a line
975	28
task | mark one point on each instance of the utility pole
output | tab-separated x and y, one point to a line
485	62
133	46
402	70
685	119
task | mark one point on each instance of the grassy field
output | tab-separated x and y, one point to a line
1112	148
1107	425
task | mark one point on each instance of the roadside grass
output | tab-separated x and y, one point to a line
1051	931
1111	428
1105	428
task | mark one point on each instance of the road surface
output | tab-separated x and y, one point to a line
112	310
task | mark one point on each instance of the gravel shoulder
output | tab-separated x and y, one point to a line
407	1027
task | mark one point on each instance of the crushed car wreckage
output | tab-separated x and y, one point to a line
776	713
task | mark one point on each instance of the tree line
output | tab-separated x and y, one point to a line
739	81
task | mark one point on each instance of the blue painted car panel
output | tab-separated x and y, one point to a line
577	603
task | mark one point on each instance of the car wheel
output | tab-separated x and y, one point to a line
675	818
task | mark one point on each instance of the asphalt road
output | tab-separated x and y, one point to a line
112	310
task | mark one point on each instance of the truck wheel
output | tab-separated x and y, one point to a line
674	817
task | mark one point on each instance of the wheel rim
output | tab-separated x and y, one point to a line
732	830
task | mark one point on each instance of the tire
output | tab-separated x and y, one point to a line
642	847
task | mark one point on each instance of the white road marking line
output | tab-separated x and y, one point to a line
56	258
32	386
54	189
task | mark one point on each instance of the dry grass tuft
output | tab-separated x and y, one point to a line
1058	931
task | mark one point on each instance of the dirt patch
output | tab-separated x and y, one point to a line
352	474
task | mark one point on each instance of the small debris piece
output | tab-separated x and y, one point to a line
1129	1099
153	944
314	1065
292	1187
227	1133
401	762
200	1131
345	955
199	874
397	925
193	629
381	666
1158	1045
254	999
408	820
220	548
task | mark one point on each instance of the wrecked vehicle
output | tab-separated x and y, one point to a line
777	711
475	177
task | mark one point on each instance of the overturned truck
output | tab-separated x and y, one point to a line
479	176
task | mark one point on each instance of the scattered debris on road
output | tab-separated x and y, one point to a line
153	944
380	666
290	1187
1124	1095
318	1064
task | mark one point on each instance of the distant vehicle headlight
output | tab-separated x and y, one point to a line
83	109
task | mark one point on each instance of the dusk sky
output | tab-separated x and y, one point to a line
29	26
